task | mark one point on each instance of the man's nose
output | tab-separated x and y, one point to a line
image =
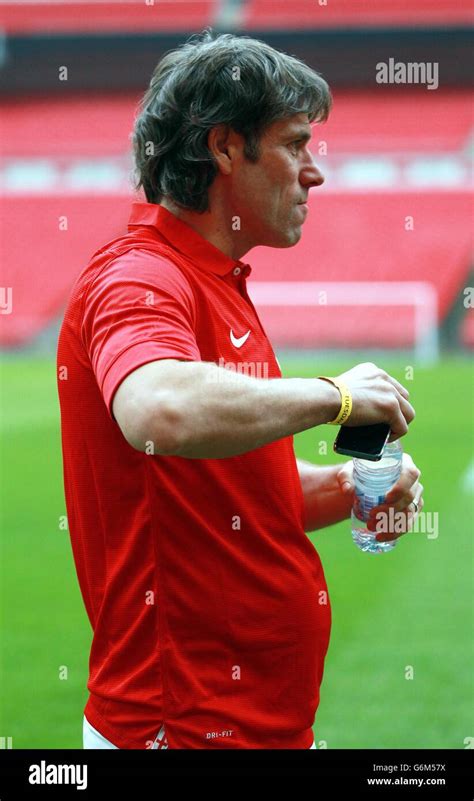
311	175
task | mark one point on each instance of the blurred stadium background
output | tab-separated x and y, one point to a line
382	272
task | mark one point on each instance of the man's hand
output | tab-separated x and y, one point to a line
377	397
402	498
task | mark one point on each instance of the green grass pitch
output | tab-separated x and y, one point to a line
409	609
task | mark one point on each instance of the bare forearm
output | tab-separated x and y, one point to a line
220	414
324	501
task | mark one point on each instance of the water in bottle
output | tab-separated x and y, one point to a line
372	481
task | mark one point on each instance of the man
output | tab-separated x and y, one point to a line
187	509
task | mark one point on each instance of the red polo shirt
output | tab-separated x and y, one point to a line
207	600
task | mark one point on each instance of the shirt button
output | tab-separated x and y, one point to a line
237	271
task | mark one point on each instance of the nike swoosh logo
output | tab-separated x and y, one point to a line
239	341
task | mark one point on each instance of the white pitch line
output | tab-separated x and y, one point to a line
468	479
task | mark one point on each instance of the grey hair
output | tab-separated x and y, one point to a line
211	80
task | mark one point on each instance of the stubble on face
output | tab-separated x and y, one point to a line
270	188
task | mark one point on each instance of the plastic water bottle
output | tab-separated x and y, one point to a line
372	481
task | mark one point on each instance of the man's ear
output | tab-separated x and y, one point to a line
223	143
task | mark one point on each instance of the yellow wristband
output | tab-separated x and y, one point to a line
346	400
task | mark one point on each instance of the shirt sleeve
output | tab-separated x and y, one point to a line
139	308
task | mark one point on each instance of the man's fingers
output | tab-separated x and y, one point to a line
409	515
398	424
345	477
400	491
402	502
408	481
402	416
399	387
407	489
406	409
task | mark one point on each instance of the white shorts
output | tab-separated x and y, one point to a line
94	739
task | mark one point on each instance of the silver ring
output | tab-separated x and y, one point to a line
416	506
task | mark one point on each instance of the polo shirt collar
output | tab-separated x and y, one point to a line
183	238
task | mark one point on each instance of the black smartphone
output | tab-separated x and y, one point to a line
363	442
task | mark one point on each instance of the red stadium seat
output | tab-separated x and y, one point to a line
42	259
99	17
281	14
